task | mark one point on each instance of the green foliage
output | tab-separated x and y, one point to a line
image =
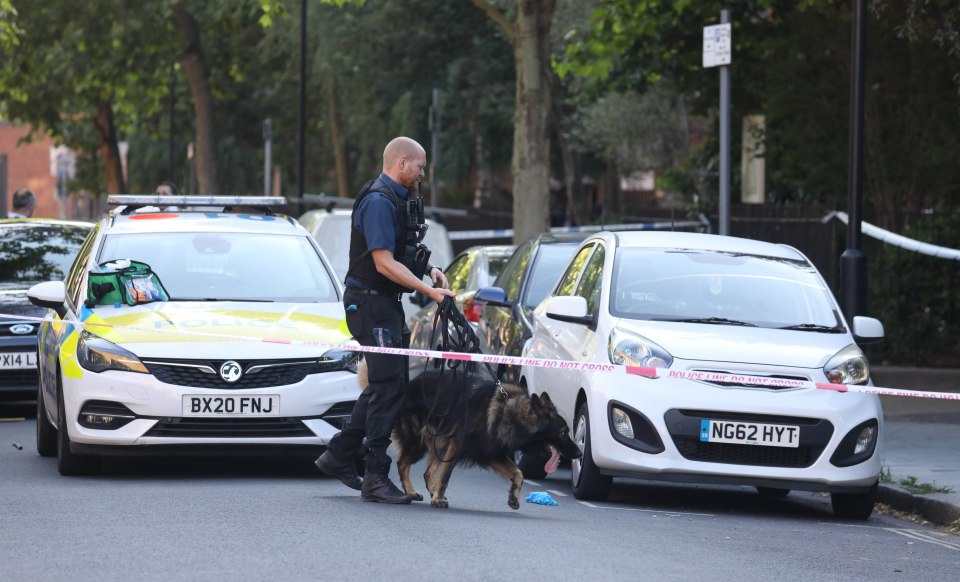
910	484
916	296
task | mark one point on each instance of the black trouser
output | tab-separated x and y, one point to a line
379	405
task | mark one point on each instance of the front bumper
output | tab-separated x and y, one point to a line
674	409
310	412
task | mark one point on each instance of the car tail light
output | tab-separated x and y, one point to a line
471	310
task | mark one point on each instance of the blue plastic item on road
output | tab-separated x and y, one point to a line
541	497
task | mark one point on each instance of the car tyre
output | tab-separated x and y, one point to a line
68	463
773	492
585	477
46	433
531	464
854	505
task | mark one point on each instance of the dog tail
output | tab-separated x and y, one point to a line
363	380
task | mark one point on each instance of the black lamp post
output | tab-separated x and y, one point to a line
853	263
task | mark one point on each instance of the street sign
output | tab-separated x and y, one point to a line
63	162
717	45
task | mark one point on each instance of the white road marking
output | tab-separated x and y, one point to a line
918	535
663	511
924	537
556	493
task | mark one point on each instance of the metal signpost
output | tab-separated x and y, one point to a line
267	157
717	52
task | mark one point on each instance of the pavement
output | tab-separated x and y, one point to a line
921	444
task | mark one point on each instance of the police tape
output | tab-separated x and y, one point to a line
566	365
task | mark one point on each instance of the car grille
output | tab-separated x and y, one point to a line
691	448
257	374
684	427
18	377
230	428
742	373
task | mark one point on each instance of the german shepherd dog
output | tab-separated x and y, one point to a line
457	418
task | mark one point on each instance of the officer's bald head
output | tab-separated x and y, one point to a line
404	160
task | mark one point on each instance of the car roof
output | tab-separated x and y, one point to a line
561	237
694	240
314	216
44	222
490	250
201	222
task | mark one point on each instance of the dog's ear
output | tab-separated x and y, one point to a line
535	401
545	399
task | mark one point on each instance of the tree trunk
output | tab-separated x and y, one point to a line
205	146
530	37
336	136
531	138
109	150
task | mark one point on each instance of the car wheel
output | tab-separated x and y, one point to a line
531	464
586	479
854	505
46	433
773	492
68	463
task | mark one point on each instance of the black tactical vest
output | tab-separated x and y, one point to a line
407	250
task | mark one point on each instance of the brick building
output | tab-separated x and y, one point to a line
28	166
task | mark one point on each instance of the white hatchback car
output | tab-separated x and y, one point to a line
709	303
224	366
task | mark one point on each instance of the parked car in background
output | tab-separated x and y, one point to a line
472	269
505	320
31	250
710	304
218	364
331	229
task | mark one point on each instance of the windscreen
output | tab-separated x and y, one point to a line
696	285
228	266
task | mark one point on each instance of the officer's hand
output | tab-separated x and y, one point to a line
439	278
437	294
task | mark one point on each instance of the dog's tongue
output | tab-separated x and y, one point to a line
553	462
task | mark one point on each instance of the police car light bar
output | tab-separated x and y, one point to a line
157	200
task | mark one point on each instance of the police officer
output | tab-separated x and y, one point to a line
382	253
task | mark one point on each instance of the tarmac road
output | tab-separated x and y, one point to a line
279	520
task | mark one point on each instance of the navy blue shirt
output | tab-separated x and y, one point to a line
376	218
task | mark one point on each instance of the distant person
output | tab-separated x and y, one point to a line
167	188
24	203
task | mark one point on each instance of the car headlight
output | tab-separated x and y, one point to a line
630	349
848	366
98	355
335	360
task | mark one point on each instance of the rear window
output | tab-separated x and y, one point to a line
228	266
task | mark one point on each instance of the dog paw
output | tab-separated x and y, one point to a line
442	503
513	502
415	495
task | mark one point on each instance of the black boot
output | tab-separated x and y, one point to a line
376	482
334	466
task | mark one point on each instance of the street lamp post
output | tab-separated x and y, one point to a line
853	263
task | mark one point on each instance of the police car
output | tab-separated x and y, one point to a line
230	352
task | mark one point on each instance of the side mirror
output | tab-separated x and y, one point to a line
568	308
52	295
493	296
867	330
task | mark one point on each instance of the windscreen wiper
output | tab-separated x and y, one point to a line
716	321
814	327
